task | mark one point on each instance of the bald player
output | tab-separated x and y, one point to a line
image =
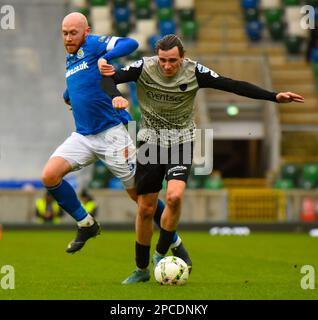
166	87
100	132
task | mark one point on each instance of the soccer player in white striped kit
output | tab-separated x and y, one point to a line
166	87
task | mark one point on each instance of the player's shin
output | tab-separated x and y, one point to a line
157	218
164	241
142	256
67	199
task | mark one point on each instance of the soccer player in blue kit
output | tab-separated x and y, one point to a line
100	131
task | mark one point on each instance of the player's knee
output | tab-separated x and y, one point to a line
146	210
50	178
173	199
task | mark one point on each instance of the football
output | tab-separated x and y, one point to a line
172	270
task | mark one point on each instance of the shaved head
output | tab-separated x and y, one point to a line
75	29
75	18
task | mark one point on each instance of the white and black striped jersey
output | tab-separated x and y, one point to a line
167	103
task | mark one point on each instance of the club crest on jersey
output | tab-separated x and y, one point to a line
183	87
131	166
80	54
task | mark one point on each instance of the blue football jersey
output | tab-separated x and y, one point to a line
92	108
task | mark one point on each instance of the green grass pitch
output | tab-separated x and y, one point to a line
259	266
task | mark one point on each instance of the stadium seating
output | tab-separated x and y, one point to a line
120	3
167	27
310	172
146	26
121	14
253	24
284	184
123	28
270	4
143	13
184	4
254	30
251	14
291	2
164	3
298	176
143	19
194	183
78	3
248	4
276	30
273	15
101	19
293	44
165	14
186	14
307	184
152	40
189	29
142	3
282	21
291	172
213	183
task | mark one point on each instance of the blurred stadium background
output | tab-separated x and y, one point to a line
265	155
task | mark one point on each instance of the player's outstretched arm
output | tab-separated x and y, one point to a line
286	97
209	79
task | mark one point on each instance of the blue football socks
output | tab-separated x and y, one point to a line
67	199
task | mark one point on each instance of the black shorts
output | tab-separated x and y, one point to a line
154	163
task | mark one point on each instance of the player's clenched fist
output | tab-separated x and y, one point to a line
105	68
120	103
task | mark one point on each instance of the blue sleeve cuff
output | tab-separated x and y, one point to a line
123	47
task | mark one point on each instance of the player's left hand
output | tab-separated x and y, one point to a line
286	97
104	68
120	103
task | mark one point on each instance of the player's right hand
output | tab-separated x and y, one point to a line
104	68
120	103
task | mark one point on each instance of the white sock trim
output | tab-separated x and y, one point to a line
176	243
86	222
158	254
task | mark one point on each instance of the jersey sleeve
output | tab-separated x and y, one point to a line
126	74
210	79
113	47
